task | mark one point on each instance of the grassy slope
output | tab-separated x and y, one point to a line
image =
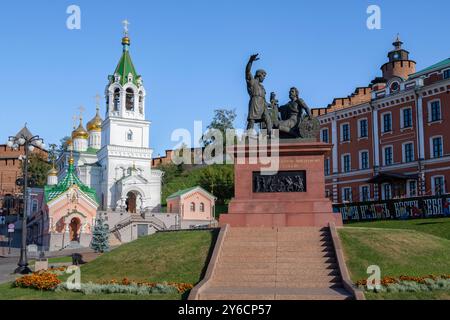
171	257
162	257
439	227
399	251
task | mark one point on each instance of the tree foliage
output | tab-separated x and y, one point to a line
100	236
218	180
38	169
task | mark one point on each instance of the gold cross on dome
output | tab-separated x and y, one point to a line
82	109
97	98
125	23
74	121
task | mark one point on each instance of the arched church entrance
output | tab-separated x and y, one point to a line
131	202
74	229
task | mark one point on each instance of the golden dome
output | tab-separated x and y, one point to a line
80	132
69	142
96	123
53	172
126	41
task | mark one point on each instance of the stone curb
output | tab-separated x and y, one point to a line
347	283
202	285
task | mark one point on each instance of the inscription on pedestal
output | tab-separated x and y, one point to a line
283	181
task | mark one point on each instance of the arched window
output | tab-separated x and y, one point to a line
34	206
202	207
116	99
141	103
130	135
129	101
192	207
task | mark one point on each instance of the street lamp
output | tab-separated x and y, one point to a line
29	143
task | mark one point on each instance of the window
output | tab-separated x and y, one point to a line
364	193
202	207
130	135
192	207
34	206
141	102
347	194
363	128
346	163
408	152
116	99
438	185
407	118
387	122
324	136
345	132
327	167
129	101
412	188
388	156
386	191
435	111
447	74
364	160
436	144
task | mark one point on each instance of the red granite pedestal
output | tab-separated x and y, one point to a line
281	209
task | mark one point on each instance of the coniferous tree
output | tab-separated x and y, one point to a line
100	236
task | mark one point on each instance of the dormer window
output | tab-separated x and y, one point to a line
130	77
116	78
129	102
395	86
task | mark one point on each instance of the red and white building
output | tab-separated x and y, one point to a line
390	138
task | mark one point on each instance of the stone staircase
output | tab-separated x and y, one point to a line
283	263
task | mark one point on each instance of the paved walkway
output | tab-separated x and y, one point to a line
7	266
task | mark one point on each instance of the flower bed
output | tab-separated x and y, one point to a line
42	280
409	283
180	287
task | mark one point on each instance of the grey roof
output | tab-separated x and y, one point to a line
24	132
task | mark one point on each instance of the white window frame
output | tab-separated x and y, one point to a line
404	153
321	134
433	184
342	132
343	194
432	146
402	118
361	193
383	191
360	159
408	189
359	128
384	155
132	135
343	163
429	110
383	131
327	167
443	73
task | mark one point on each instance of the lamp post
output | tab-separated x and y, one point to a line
29	143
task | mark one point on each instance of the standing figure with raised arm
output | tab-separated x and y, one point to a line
257	107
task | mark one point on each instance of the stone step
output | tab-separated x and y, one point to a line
273	284
240	293
307	272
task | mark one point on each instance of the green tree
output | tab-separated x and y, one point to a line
218	180
38	168
100	236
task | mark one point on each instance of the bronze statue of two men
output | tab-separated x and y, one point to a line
287	118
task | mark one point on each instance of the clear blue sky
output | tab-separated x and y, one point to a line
192	55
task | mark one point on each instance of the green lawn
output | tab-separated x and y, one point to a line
55	260
439	226
414	248
163	257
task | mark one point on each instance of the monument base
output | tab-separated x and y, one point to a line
293	197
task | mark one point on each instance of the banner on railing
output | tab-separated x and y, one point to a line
399	209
